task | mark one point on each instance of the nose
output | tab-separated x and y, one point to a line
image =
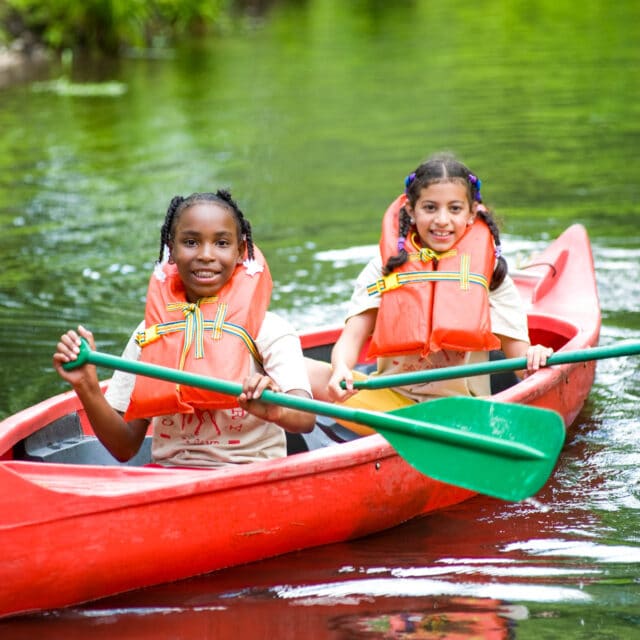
442	216
207	251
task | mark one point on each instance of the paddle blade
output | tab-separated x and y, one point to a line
511	455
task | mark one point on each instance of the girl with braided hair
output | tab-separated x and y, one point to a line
437	295
207	313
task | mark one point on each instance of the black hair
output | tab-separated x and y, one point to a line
446	168
223	198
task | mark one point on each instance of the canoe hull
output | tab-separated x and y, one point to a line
172	532
81	532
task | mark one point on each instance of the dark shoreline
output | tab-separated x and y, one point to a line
17	66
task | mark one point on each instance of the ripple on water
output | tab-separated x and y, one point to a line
578	549
332	593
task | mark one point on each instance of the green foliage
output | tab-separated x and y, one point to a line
108	26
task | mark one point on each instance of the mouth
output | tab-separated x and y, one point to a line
203	274
440	233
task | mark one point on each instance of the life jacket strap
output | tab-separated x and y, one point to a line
395	280
195	327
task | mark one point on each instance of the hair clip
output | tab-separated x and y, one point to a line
252	267
401	243
477	183
158	271
497	252
408	180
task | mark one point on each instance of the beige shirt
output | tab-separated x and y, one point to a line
508	319
222	437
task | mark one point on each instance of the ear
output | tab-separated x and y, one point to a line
242	247
171	260
409	209
474	211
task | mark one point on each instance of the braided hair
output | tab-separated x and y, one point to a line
445	168
221	197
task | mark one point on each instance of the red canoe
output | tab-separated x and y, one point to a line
72	532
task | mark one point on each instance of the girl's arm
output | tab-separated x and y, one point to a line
346	352
325	378
122	439
536	354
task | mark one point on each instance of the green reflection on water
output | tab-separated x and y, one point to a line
313	115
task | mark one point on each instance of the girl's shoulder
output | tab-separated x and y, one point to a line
506	288
372	270
274	326
132	350
506	295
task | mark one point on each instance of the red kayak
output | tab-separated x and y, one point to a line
76	526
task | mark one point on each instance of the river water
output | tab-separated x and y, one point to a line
312	113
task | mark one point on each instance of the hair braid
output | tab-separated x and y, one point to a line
243	224
502	268
166	232
404	224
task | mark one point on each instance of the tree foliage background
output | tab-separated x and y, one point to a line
105	26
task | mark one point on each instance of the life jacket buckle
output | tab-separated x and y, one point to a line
143	338
388	283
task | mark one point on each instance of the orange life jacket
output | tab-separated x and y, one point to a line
212	337
425	309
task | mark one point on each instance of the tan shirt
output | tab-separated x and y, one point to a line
222	437
508	319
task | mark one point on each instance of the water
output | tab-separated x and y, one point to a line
313	113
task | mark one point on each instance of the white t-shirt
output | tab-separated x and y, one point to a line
222	437
508	318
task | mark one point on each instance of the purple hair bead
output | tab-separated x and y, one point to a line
477	183
408	180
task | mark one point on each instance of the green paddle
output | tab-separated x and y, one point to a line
482	368
503	450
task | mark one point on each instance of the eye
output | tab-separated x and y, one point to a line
189	242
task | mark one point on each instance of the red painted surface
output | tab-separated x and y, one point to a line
72	533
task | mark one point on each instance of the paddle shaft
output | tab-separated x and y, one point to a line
497	366
379	421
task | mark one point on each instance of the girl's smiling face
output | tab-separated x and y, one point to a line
442	214
206	247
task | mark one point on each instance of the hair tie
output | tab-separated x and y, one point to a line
401	243
497	252
476	184
408	180
158	271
